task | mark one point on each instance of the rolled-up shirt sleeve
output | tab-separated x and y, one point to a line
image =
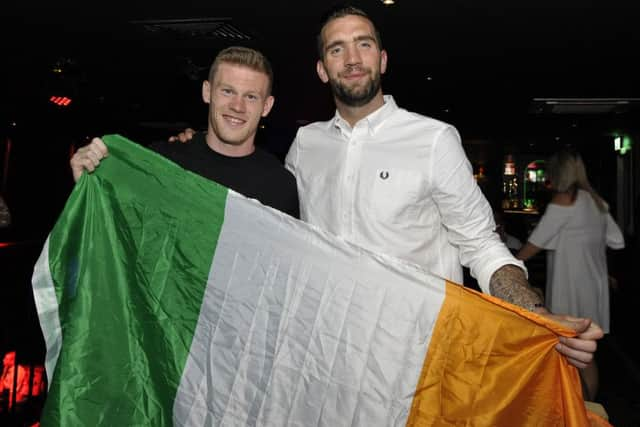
547	232
614	237
465	212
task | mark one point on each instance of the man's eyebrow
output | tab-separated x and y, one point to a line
334	44
365	37
368	37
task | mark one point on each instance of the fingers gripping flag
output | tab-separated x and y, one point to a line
166	299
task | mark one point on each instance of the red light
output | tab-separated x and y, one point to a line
61	101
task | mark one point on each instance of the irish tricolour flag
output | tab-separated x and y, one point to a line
166	299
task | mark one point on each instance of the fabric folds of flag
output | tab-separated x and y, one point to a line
166	299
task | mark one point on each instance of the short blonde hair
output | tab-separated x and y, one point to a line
246	57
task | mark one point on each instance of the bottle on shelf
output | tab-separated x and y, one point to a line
510	195
534	185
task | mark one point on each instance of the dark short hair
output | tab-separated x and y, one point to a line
246	57
340	11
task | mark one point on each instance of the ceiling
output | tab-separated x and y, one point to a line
478	65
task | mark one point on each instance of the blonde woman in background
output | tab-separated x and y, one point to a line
576	230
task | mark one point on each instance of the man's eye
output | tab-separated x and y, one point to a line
226	91
335	50
252	97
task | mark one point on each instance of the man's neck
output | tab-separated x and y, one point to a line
229	150
354	114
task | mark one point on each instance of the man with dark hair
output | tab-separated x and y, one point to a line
238	92
399	183
341	12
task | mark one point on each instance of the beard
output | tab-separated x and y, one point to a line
356	96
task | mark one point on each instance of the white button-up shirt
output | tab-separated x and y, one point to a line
398	183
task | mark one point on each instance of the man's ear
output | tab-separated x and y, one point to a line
268	105
206	92
322	72
383	61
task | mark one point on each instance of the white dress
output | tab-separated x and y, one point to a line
576	238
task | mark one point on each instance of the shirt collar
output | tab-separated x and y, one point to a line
372	121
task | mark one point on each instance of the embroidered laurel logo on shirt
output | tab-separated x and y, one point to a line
384	174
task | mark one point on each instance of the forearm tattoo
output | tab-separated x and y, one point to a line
510	284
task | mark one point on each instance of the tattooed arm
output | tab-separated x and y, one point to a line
510	284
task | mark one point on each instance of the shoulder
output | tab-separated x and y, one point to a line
267	161
170	149
315	134
428	131
555	212
315	128
398	116
278	184
265	157
422	120
586	198
405	118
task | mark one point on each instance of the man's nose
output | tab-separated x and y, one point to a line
353	55
237	104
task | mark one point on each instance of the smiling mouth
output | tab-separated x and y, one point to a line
233	121
354	72
354	76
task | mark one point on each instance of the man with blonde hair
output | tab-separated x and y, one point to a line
238	91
